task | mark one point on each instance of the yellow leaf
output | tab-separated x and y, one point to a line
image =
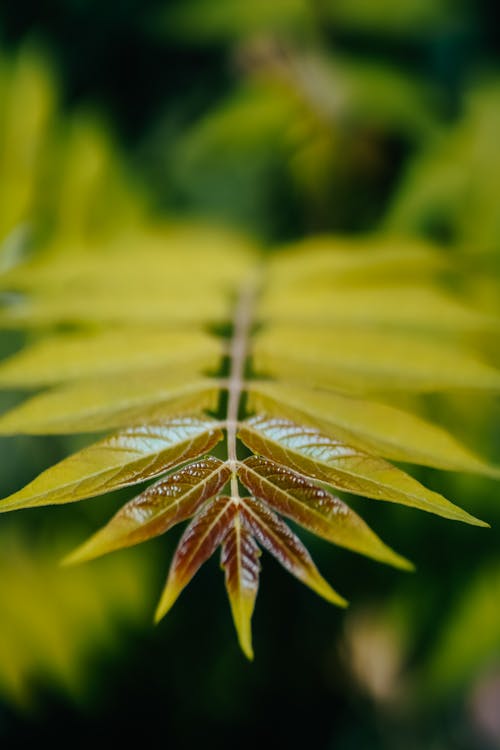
76	356
162	505
358	360
128	457
371	426
311	452
408	307
109	403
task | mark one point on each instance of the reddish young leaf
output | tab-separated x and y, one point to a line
161	506
314	508
240	561
199	541
273	534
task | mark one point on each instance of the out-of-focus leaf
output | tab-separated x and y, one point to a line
166	503
27	88
128	457
359	360
471	634
55	623
454	184
201	19
314	508
326	261
404	18
76	356
408	307
108	403
310	452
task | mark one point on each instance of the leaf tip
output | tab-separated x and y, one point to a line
166	602
331	596
247	649
77	556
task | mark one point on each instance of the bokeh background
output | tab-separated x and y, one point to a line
279	118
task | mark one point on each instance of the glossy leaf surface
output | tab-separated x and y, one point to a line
314	508
372	426
128	457
199	541
240	561
162	505
308	451
276	537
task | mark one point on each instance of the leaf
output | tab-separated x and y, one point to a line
273	534
109	403
199	541
310	452
330	260
314	508
371	426
399	307
128	457
240	561
78	355
162	505
359	360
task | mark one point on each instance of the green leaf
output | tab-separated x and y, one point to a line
308	451
314	508
128	457
164	504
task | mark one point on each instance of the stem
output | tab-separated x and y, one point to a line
237	355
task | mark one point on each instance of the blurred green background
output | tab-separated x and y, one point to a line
280	118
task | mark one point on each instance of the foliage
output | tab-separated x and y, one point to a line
53	620
198	337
